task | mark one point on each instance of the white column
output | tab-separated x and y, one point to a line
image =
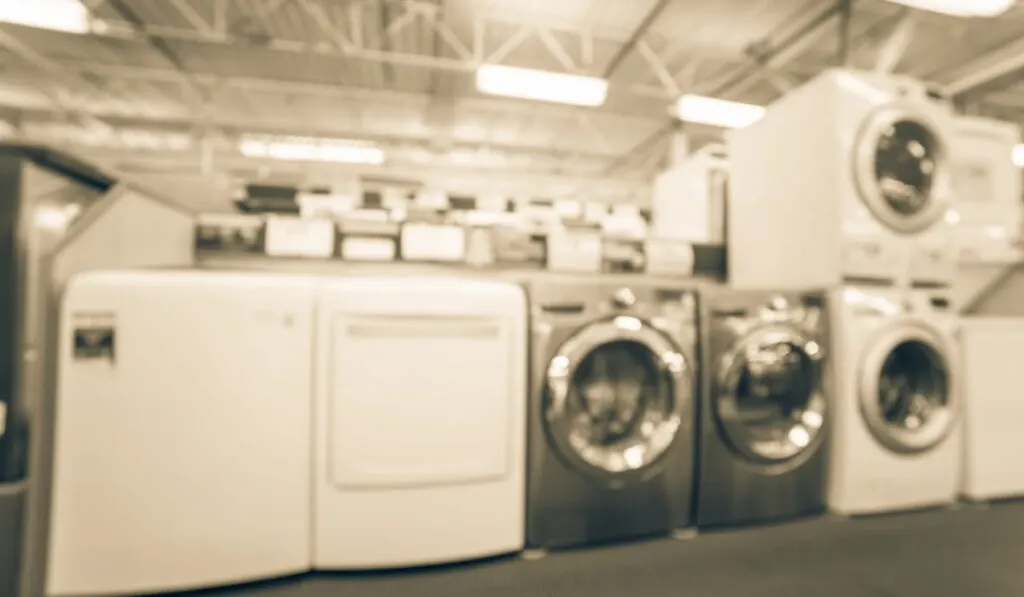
206	154
679	149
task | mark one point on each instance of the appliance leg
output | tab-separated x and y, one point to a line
533	554
684	534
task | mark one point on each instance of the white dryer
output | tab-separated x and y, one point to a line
897	427
420	421
182	451
861	190
988	191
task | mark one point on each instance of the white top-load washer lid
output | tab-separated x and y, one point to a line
907	386
902	164
617	394
422	420
182	449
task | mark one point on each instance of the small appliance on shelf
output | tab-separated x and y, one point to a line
669	256
574	248
291	236
521	240
368	238
623	233
229	233
432	242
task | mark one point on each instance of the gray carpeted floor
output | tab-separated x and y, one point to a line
970	552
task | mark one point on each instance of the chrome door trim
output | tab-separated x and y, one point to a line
734	432
865	147
674	368
906	441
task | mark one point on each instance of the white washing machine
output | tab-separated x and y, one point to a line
993	377
897	427
861	189
988	190
420	421
182	452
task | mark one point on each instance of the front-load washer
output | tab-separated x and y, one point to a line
612	408
182	442
897	436
765	416
863	187
420	417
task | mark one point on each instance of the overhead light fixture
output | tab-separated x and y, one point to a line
715	112
309	149
69	16
1018	155
525	83
960	8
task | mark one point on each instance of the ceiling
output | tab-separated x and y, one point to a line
170	84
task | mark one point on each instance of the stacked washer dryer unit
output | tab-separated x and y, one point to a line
861	202
612	408
988	200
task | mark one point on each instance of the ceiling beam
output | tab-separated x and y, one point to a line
986	70
238	126
452	179
635	37
895	45
57	88
777	53
465	62
639	114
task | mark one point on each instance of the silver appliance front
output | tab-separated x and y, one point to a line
770	405
617	393
907	395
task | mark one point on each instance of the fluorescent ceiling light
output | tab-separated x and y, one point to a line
69	16
715	112
960	8
306	149
1018	155
525	83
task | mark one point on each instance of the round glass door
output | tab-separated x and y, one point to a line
769	402
905	161
617	394
902	169
907	400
